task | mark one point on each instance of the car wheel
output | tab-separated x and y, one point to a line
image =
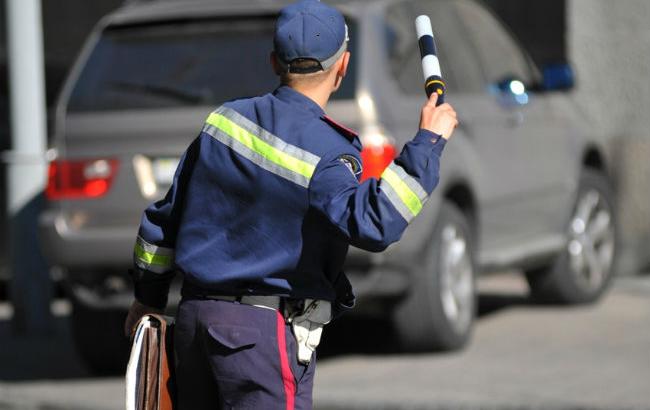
99	338
584	269
438	313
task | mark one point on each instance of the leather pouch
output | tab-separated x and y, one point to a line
150	381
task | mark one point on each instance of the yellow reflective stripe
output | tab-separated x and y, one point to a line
406	195
150	258
255	144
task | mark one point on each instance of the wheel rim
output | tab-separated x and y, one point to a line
591	241
456	278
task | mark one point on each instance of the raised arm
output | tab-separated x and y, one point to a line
375	213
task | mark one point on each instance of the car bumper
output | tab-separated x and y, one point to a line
66	244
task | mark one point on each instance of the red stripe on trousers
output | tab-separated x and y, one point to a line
287	375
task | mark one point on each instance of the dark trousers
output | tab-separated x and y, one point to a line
236	356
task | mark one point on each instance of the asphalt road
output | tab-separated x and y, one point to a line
522	356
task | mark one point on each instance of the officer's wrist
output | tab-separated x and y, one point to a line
152	298
151	289
429	141
430	136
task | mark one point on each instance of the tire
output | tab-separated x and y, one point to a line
99	338
583	271
425	320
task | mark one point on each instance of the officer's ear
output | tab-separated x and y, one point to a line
274	63
343	68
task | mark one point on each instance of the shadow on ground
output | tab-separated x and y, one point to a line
351	335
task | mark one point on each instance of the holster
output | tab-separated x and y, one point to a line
308	327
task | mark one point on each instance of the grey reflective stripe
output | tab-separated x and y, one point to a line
396	201
260	146
153	258
410	181
404	192
267	137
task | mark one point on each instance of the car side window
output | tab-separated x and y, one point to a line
458	62
500	56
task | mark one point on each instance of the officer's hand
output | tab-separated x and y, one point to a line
136	312
440	120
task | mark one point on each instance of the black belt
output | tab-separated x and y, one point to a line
287	306
269	302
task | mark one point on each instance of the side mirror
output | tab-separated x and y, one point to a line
557	77
510	92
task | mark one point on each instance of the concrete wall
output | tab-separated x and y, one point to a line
609	44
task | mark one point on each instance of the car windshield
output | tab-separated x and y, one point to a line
181	64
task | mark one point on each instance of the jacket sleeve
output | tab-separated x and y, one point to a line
373	214
153	254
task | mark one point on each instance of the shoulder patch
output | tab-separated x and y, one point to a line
353	164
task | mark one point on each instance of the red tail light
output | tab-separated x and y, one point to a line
80	179
376	156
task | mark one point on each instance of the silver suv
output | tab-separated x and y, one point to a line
524	184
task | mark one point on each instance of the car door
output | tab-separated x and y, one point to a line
540	191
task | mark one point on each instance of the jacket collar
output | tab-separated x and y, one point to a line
293	97
296	99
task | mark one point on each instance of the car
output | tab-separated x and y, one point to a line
525	183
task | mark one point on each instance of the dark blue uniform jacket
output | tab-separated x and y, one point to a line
267	199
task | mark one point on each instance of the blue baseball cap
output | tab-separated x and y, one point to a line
309	29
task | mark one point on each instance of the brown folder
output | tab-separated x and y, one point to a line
150	374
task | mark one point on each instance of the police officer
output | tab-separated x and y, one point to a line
263	206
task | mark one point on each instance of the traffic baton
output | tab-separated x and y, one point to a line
433	81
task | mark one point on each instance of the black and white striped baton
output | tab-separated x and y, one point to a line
433	81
